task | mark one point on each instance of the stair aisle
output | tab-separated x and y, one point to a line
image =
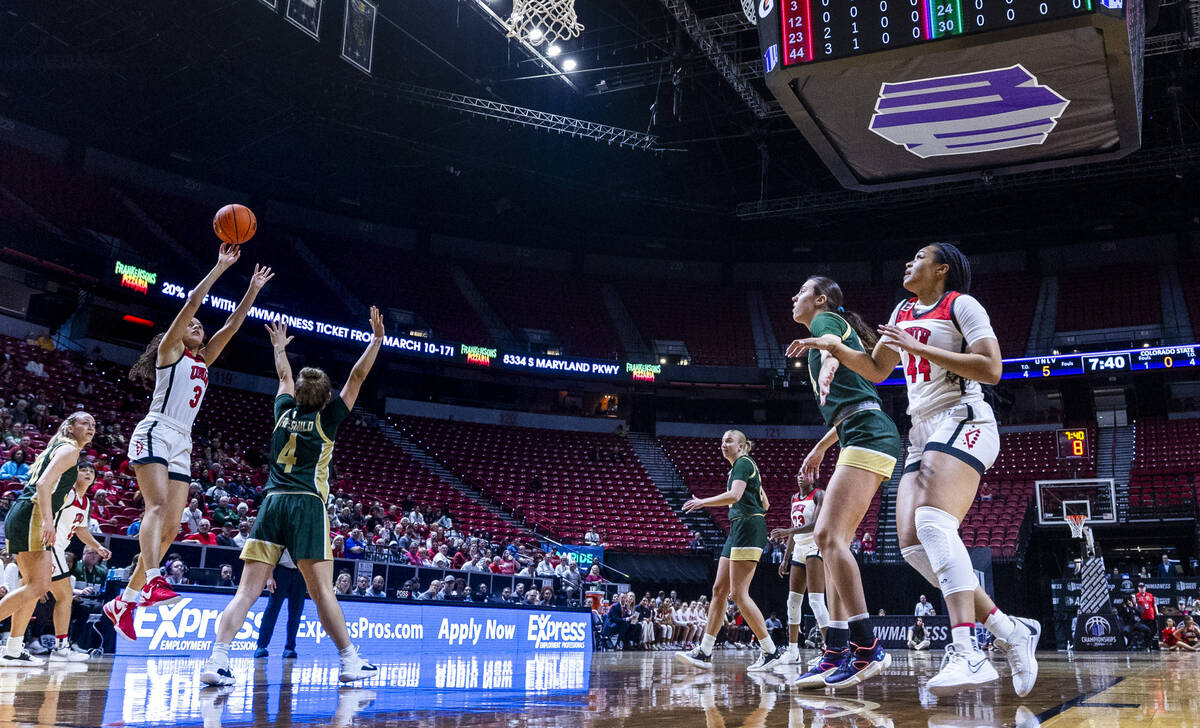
668	481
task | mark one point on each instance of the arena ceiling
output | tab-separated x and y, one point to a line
229	92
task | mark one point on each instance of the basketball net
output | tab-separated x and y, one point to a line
748	7
542	21
1078	530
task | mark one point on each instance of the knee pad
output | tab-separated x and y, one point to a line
919	560
816	602
937	531
795	604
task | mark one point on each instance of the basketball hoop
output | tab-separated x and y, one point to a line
542	21
1076	521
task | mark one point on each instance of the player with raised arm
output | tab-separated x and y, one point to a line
160	448
944	339
802	564
870	444
293	515
29	528
748	504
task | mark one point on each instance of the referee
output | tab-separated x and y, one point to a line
286	583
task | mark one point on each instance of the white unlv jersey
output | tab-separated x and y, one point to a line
953	324
72	516
179	389
803	510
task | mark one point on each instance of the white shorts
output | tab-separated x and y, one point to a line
58	556
157	441
805	548
966	431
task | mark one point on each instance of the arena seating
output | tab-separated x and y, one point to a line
1086	298
712	320
576	492
1165	477
575	313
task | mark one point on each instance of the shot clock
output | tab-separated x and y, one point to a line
1073	444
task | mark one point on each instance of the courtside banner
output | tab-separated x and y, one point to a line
892	631
585	556
381	629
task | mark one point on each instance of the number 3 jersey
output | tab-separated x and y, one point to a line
302	446
953	324
178	391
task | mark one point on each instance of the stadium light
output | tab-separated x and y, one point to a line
553	50
535	35
570	65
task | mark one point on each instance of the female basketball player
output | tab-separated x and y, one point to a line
29	528
801	554
944	339
70	521
748	504
161	445
293	515
870	444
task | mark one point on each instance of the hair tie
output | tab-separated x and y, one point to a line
841	309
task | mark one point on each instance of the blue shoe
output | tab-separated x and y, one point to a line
290	654
260	653
830	661
864	664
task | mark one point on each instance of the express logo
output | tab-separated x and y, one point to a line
967	113
971	437
1097	626
547	632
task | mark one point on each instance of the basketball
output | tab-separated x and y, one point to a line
235	224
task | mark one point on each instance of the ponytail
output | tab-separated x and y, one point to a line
142	371
834	299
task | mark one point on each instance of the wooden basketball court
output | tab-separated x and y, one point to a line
647	690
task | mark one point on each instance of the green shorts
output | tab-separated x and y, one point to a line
23	528
747	538
293	521
869	441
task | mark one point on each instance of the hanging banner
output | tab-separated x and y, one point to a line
306	15
358	34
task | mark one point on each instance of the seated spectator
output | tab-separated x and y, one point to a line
508	565
134	527
204	535
1189	634
356	548
442	558
620	621
593	576
243	533
480	594
532	598
434	592
868	546
378	589
177	573
923	608
918	636
548	597
572	581
518	594
224	513
226	579
544	568
226	536
102	510
1137	634
342	584
591	538
15	468
363	587
218	492
856	546
1164	570
774	628
1169	639
339	547
986	493
504	596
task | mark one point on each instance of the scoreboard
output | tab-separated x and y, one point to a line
902	93
1073	444
818	30
1104	362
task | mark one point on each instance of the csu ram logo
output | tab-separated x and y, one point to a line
967	113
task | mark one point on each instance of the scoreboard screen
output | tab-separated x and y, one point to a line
1073	444
820	30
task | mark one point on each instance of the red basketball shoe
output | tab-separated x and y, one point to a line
157	593
120	613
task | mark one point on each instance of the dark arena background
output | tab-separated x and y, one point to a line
583	223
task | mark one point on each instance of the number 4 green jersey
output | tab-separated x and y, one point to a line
302	446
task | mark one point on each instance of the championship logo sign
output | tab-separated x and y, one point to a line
967	113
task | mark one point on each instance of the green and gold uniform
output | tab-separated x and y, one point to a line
293	515
747	517
23	524
868	438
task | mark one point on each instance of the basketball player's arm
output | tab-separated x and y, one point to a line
363	366
216	344
727	498
63	459
981	363
876	366
88	539
283	368
171	346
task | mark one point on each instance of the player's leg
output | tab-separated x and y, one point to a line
815	568
60	589
741	573
318	575
156	529
797	584
701	655
851	488
254	579
20	602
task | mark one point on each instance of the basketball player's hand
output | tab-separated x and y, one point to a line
260	277
105	554
47	533
271	585
692	504
779	534
898	338
376	323
783	569
810	469
821	343
277	330
228	256
825	382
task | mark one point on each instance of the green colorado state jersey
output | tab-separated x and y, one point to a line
751	502
63	489
302	446
847	387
